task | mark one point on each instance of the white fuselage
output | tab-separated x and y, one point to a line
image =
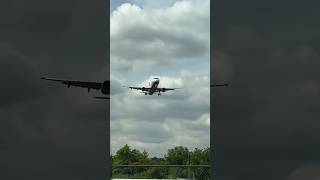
154	86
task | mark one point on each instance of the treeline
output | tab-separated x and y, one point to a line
175	156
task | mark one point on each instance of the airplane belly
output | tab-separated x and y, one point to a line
153	88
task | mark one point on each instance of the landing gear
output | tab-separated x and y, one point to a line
145	93
159	94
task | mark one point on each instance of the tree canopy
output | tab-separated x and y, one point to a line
176	156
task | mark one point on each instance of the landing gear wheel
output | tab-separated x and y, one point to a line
145	93
159	94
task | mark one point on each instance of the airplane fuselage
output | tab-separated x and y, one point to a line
154	85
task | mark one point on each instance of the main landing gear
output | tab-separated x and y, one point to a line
159	94
145	93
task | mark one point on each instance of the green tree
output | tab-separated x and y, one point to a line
178	156
128	156
200	157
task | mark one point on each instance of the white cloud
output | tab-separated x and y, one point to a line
176	118
169	41
150	37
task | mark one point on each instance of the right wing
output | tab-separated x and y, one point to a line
83	84
166	89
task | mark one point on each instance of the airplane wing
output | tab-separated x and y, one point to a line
166	89
139	88
83	84
218	85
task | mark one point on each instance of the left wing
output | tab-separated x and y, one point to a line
83	84
139	88
166	89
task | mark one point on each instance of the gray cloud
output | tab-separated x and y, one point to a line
168	41
306	172
158	123
22	85
156	36
47	130
265	123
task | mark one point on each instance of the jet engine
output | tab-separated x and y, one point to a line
105	89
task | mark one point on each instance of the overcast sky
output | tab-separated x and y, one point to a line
48	131
169	40
267	122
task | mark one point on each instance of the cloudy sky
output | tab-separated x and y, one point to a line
48	131
267	122
169	40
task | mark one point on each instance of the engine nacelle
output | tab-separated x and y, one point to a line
105	89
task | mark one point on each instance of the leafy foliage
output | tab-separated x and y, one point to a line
177	156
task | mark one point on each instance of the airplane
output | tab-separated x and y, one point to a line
104	86
153	88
